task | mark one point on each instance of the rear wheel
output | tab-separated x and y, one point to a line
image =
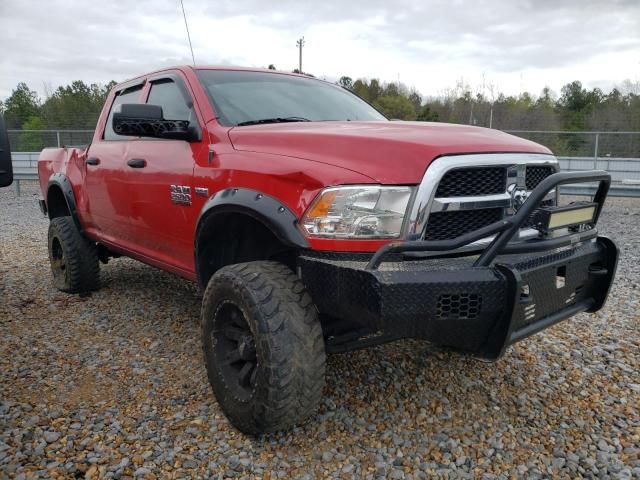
74	258
263	346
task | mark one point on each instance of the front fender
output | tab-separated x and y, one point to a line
262	208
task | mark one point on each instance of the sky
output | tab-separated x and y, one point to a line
505	46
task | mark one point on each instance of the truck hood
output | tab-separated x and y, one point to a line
387	152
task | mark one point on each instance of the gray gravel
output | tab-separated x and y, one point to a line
113	385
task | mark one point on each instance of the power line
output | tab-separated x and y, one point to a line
188	36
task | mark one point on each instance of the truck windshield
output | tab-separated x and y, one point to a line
249	98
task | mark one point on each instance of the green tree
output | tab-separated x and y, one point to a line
575	105
416	100
346	82
32	141
361	89
375	90
22	104
75	106
391	90
427	115
395	107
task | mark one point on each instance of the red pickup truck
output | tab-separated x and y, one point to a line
316	225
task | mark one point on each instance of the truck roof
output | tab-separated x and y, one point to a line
212	67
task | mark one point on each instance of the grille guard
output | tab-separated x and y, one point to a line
505	229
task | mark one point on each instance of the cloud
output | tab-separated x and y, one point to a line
429	45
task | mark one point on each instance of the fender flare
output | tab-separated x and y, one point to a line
267	210
61	181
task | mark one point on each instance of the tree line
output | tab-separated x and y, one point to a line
575	109
75	106
78	105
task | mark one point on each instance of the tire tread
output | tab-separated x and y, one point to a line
289	332
81	257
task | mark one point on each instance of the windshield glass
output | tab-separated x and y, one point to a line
242	97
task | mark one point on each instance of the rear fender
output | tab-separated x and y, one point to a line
61	181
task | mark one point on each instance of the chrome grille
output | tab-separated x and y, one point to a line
463	193
462	182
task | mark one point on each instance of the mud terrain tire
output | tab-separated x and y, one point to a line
263	346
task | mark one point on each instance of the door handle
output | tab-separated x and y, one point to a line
93	161
137	163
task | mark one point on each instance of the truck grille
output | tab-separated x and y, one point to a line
535	174
490	187
463	182
445	225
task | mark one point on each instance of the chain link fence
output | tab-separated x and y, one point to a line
616	152
562	143
36	140
585	144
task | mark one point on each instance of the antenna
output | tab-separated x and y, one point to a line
188	36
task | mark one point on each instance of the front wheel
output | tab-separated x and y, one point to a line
263	346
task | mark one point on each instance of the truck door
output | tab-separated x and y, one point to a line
159	181
106	202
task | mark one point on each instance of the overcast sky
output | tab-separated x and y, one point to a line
429	44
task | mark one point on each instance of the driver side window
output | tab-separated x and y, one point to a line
168	95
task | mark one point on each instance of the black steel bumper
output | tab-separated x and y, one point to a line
480	303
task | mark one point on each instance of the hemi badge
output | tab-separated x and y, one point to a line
203	192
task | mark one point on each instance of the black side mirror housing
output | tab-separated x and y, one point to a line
143	120
6	167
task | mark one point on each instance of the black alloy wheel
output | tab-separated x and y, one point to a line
58	264
236	350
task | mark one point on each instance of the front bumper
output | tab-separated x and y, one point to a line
450	302
480	303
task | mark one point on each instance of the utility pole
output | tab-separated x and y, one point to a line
300	44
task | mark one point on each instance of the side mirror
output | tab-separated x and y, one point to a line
143	120
6	168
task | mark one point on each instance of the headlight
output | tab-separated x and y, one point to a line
357	212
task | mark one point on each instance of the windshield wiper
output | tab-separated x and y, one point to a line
273	120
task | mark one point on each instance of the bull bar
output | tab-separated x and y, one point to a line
482	302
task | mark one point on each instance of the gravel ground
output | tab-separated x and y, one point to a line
113	385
